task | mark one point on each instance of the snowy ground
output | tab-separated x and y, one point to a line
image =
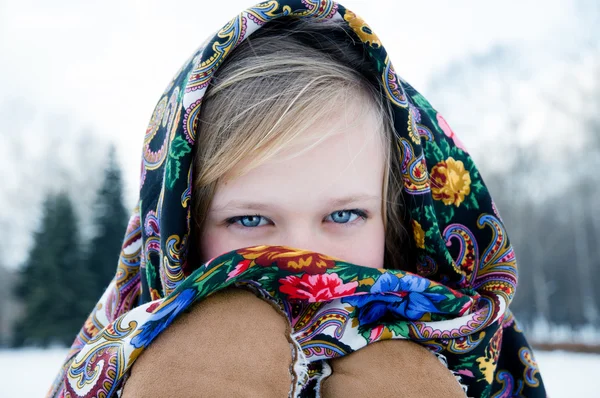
28	373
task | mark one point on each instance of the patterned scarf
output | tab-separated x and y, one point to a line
456	304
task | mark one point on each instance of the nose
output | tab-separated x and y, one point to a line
307	239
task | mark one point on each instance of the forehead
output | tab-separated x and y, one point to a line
342	155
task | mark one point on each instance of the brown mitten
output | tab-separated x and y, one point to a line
232	344
391	368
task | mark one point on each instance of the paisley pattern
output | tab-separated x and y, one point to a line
456	305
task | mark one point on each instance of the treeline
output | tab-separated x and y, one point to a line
536	139
64	276
556	243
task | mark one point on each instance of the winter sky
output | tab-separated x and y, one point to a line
102	66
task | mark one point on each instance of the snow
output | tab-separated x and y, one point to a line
568	374
29	373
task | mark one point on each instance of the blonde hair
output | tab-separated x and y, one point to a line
270	90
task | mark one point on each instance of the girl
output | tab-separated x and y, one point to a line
291	128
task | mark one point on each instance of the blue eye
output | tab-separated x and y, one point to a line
248	221
346	216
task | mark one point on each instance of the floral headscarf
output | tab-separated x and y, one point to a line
456	304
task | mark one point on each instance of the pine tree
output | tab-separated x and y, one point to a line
54	280
110	222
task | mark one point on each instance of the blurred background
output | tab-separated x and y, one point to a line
519	81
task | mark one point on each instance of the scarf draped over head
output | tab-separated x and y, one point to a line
456	304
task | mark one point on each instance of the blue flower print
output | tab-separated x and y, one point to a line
163	318
393	297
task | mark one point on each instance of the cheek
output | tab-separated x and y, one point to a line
366	249
372	249
214	243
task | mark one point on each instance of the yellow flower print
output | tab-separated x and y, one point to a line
488	362
450	182
487	368
360	27
289	259
419	234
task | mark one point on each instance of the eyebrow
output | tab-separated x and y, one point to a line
258	206
352	199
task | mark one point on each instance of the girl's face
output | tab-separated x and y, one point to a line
327	199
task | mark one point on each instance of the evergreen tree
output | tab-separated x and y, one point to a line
53	280
110	222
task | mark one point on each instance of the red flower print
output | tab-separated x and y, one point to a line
153	306
376	332
449	132
316	288
466	309
241	267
